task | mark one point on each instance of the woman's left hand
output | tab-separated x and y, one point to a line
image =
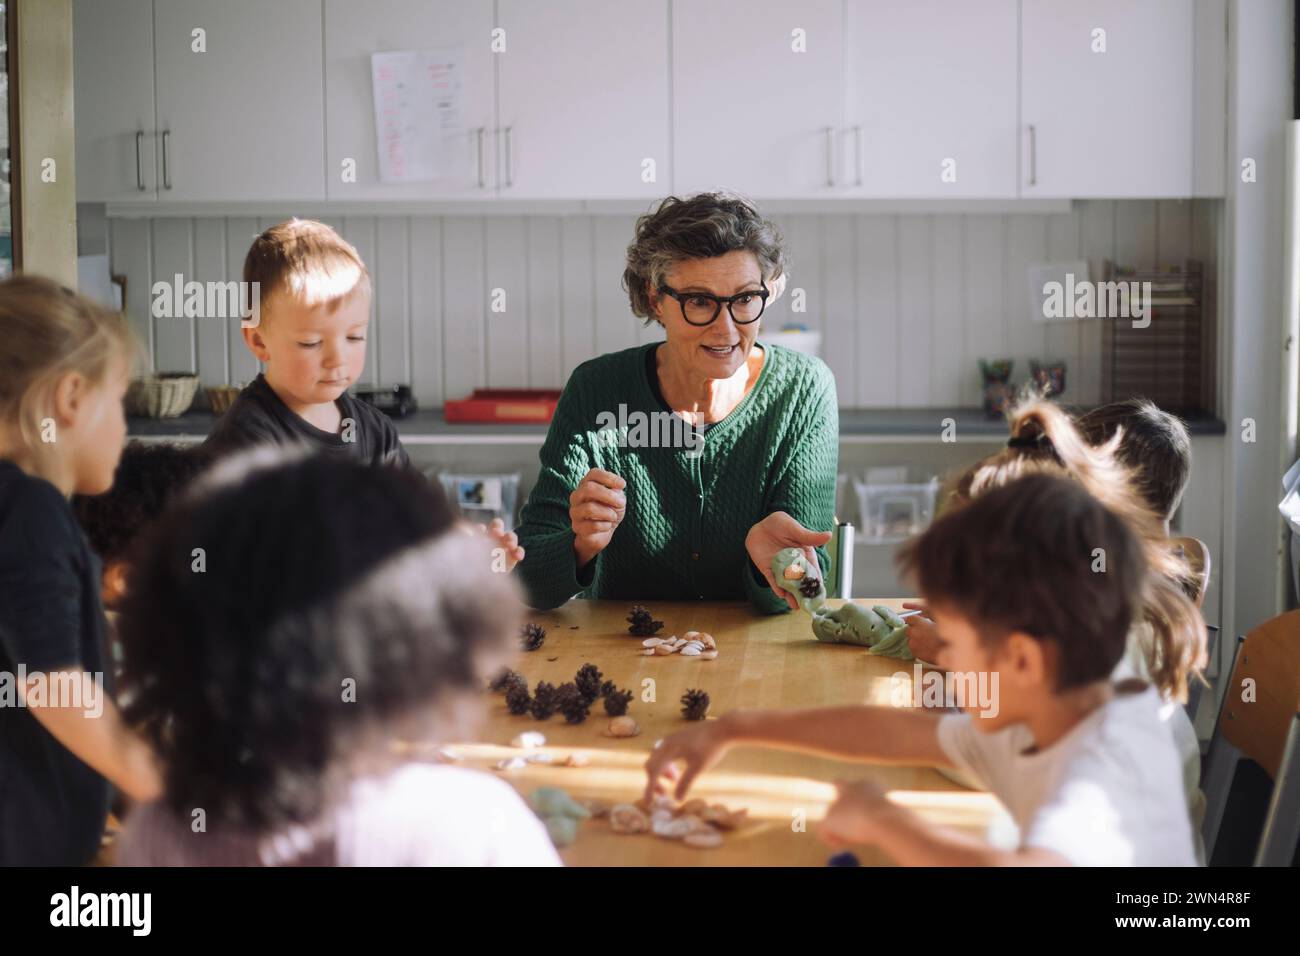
779	530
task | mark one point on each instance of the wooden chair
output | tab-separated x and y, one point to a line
1197	556
1264	727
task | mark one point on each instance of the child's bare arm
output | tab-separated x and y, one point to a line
864	815
95	732
877	734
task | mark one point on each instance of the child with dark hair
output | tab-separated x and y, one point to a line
1152	442
289	624
148	476
1084	765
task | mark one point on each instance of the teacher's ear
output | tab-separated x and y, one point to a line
656	302
777	286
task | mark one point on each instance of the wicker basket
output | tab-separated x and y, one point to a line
221	397
165	395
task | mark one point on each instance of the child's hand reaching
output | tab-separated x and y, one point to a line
856	815
922	636
697	749
507	541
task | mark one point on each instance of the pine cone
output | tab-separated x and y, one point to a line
810	586
642	623
695	704
587	681
545	700
502	681
616	702
608	688
532	636
517	699
572	704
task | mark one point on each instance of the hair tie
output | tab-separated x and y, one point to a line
1037	441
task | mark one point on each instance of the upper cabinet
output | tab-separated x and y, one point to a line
1107	98
195	101
113	107
932	92
241	112
758	96
583	99
353	32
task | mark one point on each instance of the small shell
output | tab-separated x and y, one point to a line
647	652
660	815
596	808
671	829
625	818
511	763
709	642
692	635
690	650
696	644
652	642
576	760
622	727
664	650
694	805
709	655
541	758
528	739
793	573
705	839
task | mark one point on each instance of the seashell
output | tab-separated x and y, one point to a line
541	758
709	642
626	818
690	650
511	763
696	644
709	655
529	738
576	760
622	727
694	806
652	642
793	573
722	818
670	829
706	839
664	650
692	635
648	652
596	808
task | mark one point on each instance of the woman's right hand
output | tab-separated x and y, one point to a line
596	508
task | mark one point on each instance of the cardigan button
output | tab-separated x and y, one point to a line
695	555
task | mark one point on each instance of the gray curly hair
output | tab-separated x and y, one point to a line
702	226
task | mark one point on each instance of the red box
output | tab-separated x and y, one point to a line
526	406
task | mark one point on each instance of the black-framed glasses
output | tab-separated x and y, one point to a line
701	308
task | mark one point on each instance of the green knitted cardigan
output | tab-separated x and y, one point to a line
688	508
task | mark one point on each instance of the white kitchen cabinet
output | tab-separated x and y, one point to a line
758	97
354	31
245	118
113	105
583	99
932	92
1112	124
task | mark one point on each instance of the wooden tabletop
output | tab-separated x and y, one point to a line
768	662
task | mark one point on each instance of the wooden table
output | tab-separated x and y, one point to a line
766	662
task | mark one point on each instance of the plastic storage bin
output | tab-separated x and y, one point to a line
894	512
482	497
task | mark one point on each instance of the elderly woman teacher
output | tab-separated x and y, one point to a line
676	470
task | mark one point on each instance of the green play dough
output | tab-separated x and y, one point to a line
553	802
563	830
794	557
877	628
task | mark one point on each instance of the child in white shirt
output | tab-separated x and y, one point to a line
1085	767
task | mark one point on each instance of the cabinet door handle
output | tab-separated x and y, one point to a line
167	148
857	152
1033	155
139	160
510	158
482	173
830	156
